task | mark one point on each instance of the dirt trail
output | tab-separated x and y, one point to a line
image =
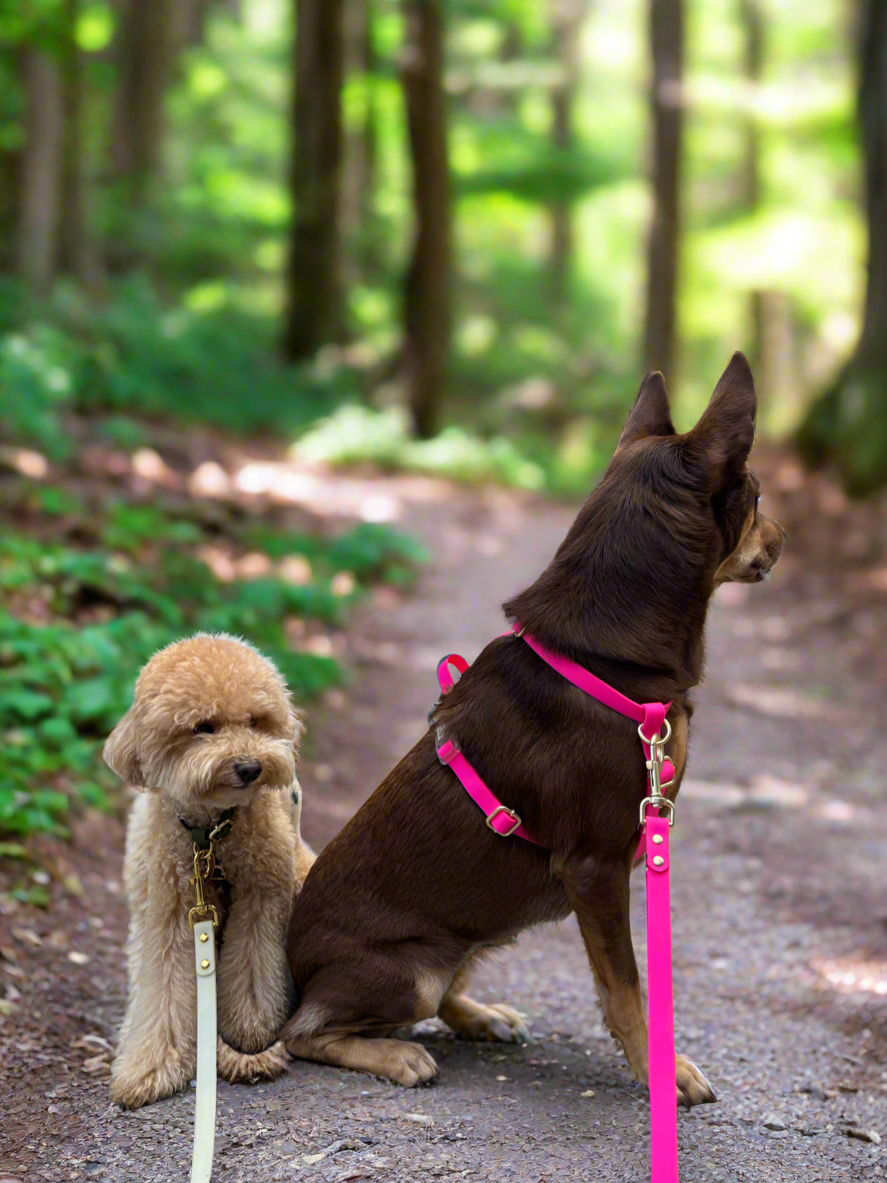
780	943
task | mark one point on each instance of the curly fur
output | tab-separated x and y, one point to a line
205	709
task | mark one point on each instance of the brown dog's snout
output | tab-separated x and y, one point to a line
248	770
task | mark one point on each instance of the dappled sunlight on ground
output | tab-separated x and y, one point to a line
845	976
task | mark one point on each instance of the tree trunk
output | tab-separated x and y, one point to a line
849	424
427	288
313	287
41	162
75	256
145	55
361	149
10	193
753	29
667	46
566	21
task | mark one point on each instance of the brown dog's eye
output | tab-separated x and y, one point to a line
204	728
253	721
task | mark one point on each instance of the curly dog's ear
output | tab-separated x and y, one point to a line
121	751
298	726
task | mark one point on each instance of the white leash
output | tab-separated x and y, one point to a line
203	919
205	1108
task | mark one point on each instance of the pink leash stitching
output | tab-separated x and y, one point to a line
650	717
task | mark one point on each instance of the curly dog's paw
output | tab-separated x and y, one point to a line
234	1066
134	1085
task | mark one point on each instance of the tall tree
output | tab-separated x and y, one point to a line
313	314
753	30
145	51
427	288
75	255
666	24
40	168
361	149
566	26
848	425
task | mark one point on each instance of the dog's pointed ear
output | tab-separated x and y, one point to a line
727	427
651	414
121	752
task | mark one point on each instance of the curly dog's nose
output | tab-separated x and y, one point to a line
248	770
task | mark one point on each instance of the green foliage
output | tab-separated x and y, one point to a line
356	434
133	355
81	624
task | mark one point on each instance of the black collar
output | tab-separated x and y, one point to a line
202	835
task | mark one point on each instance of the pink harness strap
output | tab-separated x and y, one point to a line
650	717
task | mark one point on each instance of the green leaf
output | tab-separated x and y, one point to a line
24	704
93	699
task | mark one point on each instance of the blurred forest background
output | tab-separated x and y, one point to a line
440	235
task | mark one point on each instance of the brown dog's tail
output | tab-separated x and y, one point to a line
309	1019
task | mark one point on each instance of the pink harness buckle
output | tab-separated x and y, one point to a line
504	822
500	809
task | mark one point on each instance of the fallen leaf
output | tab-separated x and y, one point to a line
27	934
865	1135
587	1093
97	1065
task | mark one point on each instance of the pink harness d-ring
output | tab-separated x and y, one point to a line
503	821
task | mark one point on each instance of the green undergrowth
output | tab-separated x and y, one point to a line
117	367
78	620
130	356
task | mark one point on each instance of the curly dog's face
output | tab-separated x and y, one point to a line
211	721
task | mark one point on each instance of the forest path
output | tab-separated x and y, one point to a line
780	950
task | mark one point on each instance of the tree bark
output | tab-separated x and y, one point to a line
41	163
427	287
10	193
313	286
567	17
75	255
361	148
753	30
667	47
145	56
848	425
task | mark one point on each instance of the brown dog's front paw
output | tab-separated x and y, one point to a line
693	1088
404	1062
473	1020
235	1067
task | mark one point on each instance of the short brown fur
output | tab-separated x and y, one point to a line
415	886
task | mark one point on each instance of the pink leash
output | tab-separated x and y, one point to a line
650	717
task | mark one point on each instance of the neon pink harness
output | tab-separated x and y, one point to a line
650	717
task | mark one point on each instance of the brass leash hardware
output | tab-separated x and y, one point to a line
204	865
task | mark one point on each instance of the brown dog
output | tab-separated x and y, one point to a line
415	886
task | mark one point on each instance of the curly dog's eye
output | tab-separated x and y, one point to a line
253	721
204	728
